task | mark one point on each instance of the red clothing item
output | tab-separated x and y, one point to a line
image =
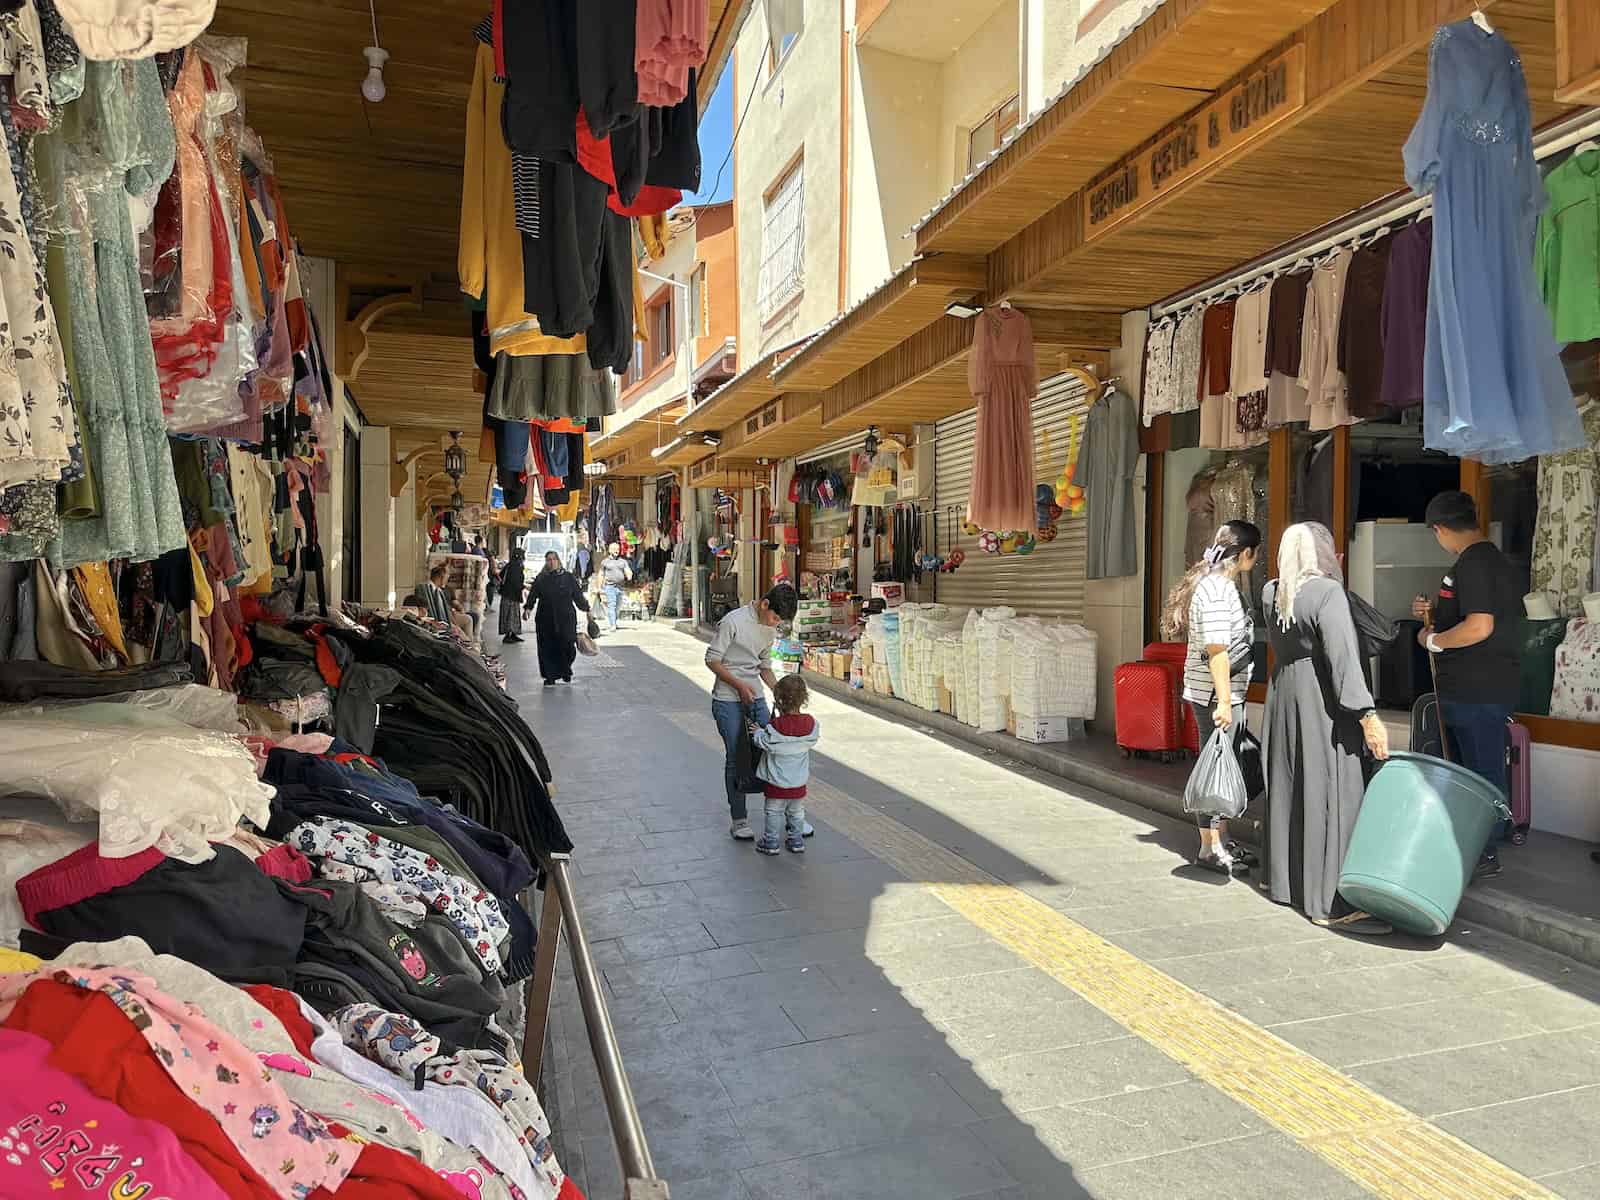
790	725
594	156
95	1042
286	1008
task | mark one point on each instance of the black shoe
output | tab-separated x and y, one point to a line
1488	866
549	683
566	679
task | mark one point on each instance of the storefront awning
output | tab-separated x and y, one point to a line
738	398
719	471
925	377
626	451
788	425
1152	74
1326	114
681	451
910	300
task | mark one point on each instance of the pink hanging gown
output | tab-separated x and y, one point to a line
1004	376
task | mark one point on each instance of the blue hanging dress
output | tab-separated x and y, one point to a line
1494	387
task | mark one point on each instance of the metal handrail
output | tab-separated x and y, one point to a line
560	908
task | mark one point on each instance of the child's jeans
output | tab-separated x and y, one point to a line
784	812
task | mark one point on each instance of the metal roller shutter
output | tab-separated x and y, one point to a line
1046	583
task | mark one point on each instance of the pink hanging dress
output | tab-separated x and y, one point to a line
1004	376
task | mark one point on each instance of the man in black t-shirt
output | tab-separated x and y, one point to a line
1476	642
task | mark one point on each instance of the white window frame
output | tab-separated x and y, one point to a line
783	242
698	318
993	115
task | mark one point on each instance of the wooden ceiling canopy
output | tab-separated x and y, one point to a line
925	377
719	471
688	450
1185	50
627	450
788	425
736	399
910	300
1366	65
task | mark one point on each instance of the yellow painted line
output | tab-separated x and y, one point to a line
1388	1150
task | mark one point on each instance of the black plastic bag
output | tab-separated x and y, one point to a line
593	629
747	756
1216	786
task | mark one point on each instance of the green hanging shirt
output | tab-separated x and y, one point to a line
1567	252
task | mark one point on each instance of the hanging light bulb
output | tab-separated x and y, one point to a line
372	86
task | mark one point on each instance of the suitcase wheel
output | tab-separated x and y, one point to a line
1519	837
1125	752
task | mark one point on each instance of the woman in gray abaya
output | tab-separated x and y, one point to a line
1319	715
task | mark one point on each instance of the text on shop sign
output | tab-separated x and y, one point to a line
1224	125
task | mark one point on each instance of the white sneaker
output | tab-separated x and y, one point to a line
741	831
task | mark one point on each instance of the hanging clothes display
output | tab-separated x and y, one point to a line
1248	374
1564	540
1107	460
1216	372
1495	387
1327	395
1567	255
1286	308
1003	374
1405	315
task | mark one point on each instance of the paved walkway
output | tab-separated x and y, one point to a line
982	983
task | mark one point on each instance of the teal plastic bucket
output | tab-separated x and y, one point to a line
1424	823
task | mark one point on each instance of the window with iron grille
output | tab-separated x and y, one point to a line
783	243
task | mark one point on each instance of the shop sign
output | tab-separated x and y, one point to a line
1226	124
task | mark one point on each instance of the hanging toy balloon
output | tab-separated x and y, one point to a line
989	542
957	557
1055	514
971	529
1008	542
1026	544
1048	533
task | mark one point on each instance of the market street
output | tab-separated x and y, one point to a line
979	983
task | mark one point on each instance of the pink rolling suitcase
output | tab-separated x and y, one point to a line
1519	778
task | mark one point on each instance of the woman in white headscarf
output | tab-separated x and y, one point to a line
1320	716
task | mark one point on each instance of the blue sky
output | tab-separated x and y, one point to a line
716	133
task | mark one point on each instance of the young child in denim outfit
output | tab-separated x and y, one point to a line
786	765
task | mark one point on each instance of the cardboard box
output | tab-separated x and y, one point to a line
1039	730
866	655
947	701
893	595
841	665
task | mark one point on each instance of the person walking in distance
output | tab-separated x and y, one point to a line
511	585
786	766
1475	640
739	656
614	572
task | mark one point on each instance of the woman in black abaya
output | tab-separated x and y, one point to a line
511	584
555	600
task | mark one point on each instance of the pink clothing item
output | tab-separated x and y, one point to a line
669	38
1003	373
79	876
291	1149
285	862
63	1140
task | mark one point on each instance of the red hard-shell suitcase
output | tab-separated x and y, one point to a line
1519	777
1146	709
1177	654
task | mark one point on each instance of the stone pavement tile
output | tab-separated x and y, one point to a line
747	995
605	954
699	967
644	1008
1402	1031
939	1166
833	1016
854	1113
811	1066
666	943
768	927
1229	934
693	1143
745	903
596	864
586	884
1069	1075
721	1186
602	1169
1315	957
1005	996
1550	1007
1047	1027
708	1038
668	1093
660	893
677	819
1559	1132
906	967
732	891
1582	1184
748	866
1270	1002
1266	1167
1451	1080
946	932
629	920
1119	1128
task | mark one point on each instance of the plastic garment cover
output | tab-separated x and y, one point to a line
32	835
158	783
192	704
1216	786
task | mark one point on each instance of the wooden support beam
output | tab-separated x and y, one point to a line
351	343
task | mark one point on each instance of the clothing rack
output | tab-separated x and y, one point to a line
1374	221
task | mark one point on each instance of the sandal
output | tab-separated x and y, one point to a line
1219	863
1359	922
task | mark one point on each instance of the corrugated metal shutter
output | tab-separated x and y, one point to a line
1046	583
